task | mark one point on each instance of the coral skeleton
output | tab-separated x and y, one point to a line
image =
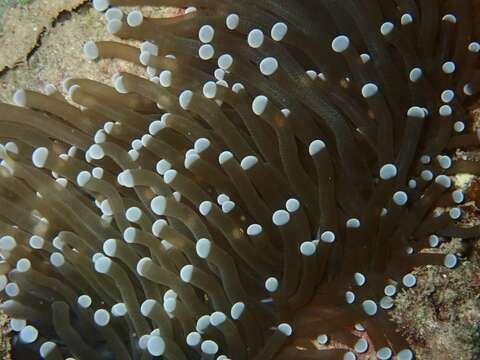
263	192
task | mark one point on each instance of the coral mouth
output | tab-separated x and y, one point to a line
263	194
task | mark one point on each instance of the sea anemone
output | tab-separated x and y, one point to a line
268	190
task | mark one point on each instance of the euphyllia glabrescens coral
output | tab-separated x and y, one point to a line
268	189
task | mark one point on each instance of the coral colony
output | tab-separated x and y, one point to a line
263	194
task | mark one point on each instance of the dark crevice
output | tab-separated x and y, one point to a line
66	15
62	17
35	47
5	70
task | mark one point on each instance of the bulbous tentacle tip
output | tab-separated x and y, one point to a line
156	346
19	98
135	18
90	50
209	347
101	5
340	43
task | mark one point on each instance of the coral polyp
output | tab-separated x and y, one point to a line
263	194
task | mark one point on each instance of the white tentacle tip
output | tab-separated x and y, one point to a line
101	317
271	284
114	26
406	19
83	178
279	31
353	223
20	98
259	105
135	18
448	67
159	205
39	157
281	217
210	90
409	280
370	307
190	159
445	110
316	146
400	198
340	43
142	265
237	310
101	5
292	205
369	90
415	74
386	28
114	14
327	237
449	18
405	354
269	66
201	145
205	207
359	279
169	176
237	87
388	171
322	339
443	180
185	99
156	345
96	152
255	38
217	318
232	21
248	162
361	346
450	261
193	339
206	34
349	355
474	47
46	348
165	78
163	166
206	52
28	334
308	248
90	50
203	248
119	309
285	329
209	347
7	243
416	112
224	157
384	353
103	264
